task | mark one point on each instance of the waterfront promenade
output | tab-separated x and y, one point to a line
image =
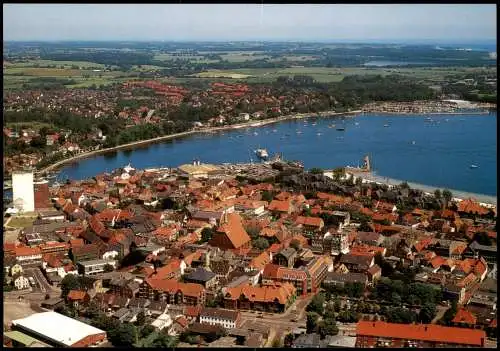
457	194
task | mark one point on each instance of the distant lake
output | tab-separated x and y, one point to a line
410	148
395	63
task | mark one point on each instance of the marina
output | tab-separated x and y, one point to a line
410	149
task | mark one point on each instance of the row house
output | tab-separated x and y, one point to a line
173	292
383	334
228	319
272	298
55	248
28	256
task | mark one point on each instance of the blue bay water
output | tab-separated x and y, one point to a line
411	148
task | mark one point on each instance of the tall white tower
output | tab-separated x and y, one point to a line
23	191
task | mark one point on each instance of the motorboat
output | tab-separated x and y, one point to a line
262	154
474	166
340	129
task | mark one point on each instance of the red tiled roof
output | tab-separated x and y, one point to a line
173	286
424	332
280	206
269	293
471	206
366	250
76	295
260	261
76	243
234	230
310	221
27	251
464	316
192	311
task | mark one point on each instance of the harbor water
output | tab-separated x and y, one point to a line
446	151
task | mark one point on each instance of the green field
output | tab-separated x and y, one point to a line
326	75
20	73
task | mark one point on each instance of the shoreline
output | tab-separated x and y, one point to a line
430	113
248	124
459	195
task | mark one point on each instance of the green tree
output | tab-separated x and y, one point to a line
437	194
447	195
427	313
164	341
260	243
141	318
146	330
123	336
206	234
316	304
328	326
316	170
312	322
92	310
267	196
68	283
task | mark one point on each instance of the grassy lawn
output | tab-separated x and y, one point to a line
21	222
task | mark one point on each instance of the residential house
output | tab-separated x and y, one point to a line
172	291
286	257
28	256
78	298
355	263
383	334
20	282
340	279
228	319
203	277
272	298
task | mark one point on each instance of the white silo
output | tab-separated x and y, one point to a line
23	191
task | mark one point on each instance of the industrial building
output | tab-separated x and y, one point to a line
23	191
58	330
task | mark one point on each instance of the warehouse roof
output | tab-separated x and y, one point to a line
57	327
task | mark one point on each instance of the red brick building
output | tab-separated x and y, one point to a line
382	334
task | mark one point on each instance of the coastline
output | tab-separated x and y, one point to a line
458	195
248	124
478	113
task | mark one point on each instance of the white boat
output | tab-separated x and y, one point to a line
474	166
299	132
262	154
318	134
413	142
386	125
356	124
255	133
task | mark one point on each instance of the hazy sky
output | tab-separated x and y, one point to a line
315	22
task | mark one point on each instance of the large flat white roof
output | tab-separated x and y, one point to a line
57	327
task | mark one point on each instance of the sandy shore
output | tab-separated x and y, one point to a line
191	132
457	194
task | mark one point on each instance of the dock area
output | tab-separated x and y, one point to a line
458	195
